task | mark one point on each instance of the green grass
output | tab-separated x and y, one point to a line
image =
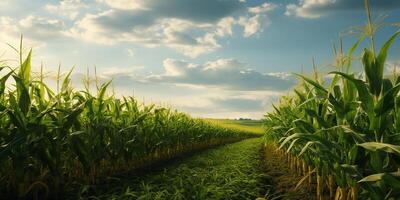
252	126
233	171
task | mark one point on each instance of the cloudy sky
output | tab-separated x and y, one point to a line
210	58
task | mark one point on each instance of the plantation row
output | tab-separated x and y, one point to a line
52	140
232	171
345	131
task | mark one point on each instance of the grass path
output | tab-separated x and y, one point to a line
232	171
285	179
252	126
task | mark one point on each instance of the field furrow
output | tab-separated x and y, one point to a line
232	171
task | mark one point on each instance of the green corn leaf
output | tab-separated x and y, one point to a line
337	91
78	147
25	71
374	66
312	99
24	100
313	83
374	78
300	95
304	125
378	177
376	161
381	58
359	138
333	83
141	118
306	147
102	91
320	120
366	99
289	138
339	107
350	169
392	181
350	54
386	103
292	144
353	153
378	146
3	81
45	112
66	82
397	80
45	156
72	117
387	85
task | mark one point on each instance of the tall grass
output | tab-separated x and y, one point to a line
50	140
346	132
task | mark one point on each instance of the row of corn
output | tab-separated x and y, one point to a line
343	129
52	140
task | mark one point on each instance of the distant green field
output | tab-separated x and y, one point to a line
254	126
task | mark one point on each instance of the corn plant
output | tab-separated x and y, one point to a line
51	140
345	131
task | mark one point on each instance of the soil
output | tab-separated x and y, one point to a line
284	179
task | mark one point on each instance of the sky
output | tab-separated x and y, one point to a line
209	58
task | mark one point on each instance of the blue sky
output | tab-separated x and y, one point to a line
210	58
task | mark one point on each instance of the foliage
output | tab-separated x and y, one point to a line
231	171
49	140
347	129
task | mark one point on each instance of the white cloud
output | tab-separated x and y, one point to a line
36	30
251	25
174	67
177	35
266	7
130	52
229	74
220	103
112	72
68	8
308	8
254	24
282	75
5	4
222	87
8	25
212	89
224	26
41	28
172	33
153	24
313	9
125	4
393	66
223	64
214	102
226	74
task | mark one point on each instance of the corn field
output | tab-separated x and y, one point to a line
343	132
52	140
